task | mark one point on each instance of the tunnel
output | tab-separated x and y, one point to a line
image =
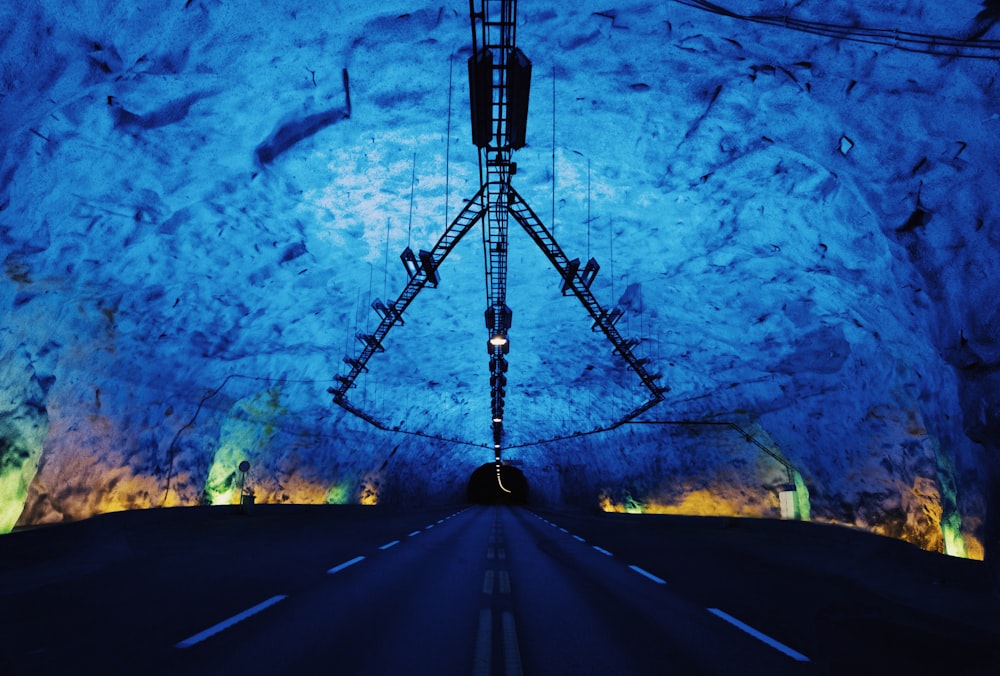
486	487
740	264
203	251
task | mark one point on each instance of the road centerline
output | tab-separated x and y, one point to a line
482	663
504	582
512	655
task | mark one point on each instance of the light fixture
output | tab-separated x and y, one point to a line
497	419
499	340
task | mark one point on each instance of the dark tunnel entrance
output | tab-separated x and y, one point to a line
485	489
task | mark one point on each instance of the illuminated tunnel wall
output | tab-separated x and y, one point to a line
800	230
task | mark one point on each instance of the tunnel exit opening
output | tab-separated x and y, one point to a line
484	488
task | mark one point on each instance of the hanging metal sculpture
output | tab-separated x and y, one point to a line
499	85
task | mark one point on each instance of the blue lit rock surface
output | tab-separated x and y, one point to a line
802	231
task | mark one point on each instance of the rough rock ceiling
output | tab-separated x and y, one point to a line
801	229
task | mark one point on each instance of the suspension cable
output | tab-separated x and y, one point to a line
921	43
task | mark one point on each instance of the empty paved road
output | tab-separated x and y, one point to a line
471	590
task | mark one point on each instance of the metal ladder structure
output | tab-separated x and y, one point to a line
499	83
421	271
577	282
491	71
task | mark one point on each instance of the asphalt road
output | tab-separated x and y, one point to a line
476	590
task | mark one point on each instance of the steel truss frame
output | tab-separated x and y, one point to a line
499	78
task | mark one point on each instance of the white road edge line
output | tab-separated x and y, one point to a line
346	564
387	545
225	624
602	550
646	573
777	645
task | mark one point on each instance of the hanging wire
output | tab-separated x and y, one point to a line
385	264
447	151
628	315
371	282
413	180
921	43
357	313
347	336
553	150
642	321
368	323
611	227
588	209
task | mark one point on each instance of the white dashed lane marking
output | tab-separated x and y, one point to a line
760	636
742	626
225	624
646	573
239	617
346	564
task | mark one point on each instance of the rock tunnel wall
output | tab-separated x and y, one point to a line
802	232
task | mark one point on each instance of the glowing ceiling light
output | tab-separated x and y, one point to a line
498	340
500	483
497	419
